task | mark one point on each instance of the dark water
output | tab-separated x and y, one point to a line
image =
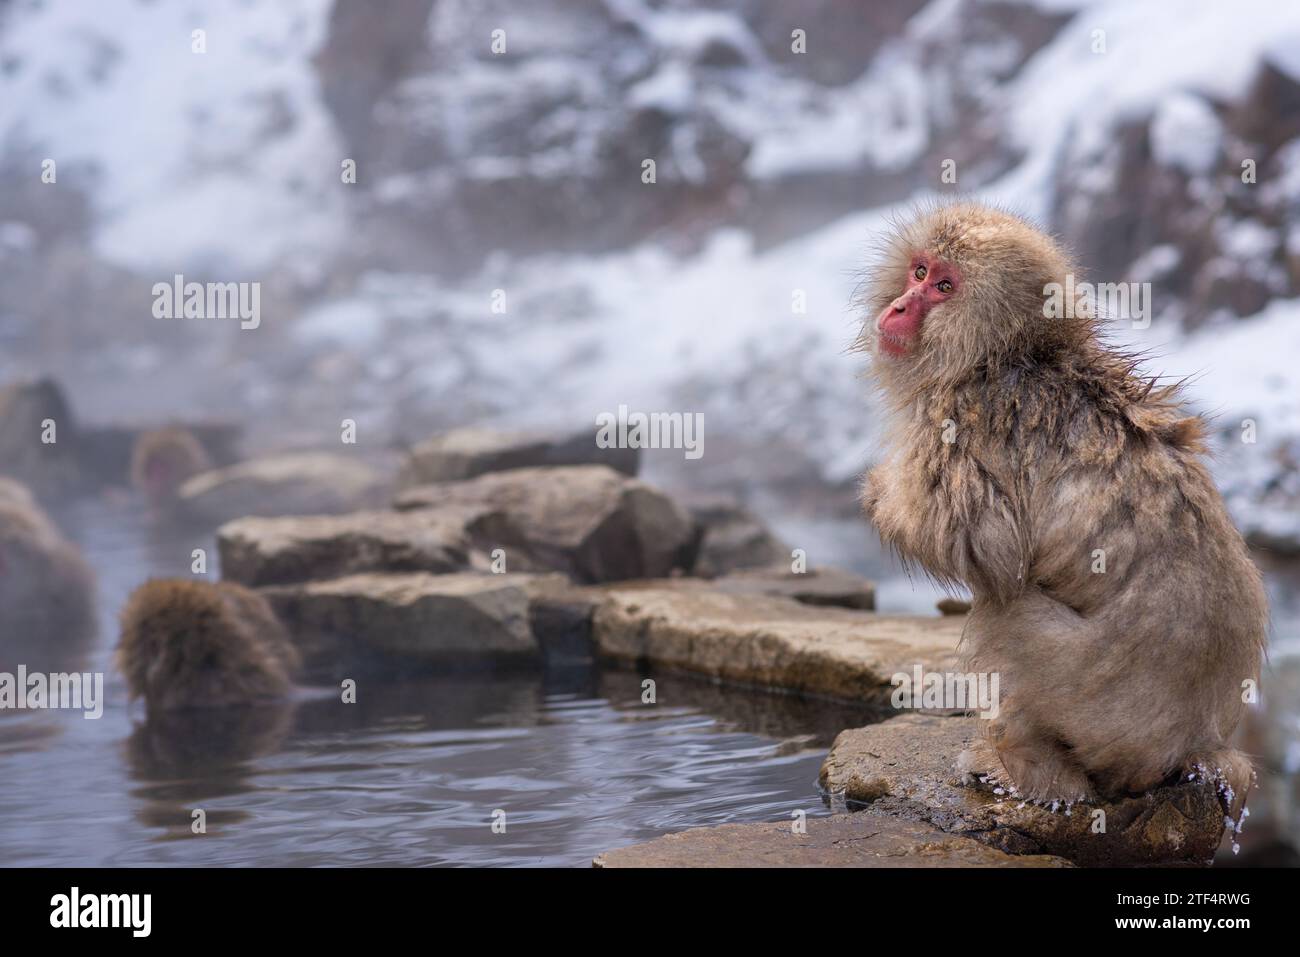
409	775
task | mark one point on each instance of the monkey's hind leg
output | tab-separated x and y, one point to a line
1026	764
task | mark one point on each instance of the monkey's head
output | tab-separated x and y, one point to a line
196	643
960	285
163	459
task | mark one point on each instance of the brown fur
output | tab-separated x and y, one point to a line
196	644
1110	682
163	459
47	591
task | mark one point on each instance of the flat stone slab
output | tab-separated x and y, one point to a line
843	840
416	616
274	551
466	453
906	767
832	587
768	641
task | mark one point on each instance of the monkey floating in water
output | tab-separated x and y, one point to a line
1030	462
199	644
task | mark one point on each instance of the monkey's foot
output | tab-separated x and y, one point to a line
1036	772
1230	771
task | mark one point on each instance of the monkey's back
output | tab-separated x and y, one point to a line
188	644
1139	616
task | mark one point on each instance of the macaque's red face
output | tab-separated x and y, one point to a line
930	282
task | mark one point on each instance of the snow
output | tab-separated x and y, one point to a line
1067	95
218	183
1185	134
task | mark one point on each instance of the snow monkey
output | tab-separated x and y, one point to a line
1026	459
161	461
47	591
197	644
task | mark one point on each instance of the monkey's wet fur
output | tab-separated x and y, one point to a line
200	644
47	591
161	461
1032	463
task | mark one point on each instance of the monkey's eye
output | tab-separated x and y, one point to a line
920	272
945	286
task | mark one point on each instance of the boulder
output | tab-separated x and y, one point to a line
906	768
844	840
298	483
588	521
416	616
832	587
733	539
275	551
768	641
466	453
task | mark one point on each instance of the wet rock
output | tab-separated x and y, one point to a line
905	768
466	453
733	539
768	641
30	411
561	620
273	551
844	840
831	587
300	483
416	616
587	521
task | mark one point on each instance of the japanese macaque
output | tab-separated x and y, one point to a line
47	591
199	644
162	460
1030	462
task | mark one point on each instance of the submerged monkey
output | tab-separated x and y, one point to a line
47	590
1029	461
200	644
162	459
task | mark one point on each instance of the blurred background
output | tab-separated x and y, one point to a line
498	149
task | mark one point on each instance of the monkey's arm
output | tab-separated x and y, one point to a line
957	521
